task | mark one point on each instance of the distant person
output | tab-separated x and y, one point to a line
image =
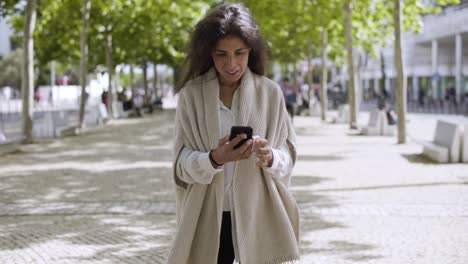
51	98
290	96
421	95
138	102
383	99
105	98
451	98
37	96
127	103
391	115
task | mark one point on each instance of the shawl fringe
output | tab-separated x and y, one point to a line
291	259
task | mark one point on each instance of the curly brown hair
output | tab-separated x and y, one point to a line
223	20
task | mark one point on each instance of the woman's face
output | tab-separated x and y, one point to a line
230	57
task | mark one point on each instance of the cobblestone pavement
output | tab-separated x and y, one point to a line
107	197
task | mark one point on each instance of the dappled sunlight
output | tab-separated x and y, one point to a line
96	167
63	154
106	239
110	193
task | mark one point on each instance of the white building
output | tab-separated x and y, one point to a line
435	59
5	34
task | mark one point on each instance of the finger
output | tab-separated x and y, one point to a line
244	148
237	139
223	140
262	160
263	151
262	163
260	142
246	154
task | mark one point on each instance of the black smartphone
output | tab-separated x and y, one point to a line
236	130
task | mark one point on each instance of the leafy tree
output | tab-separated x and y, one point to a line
10	69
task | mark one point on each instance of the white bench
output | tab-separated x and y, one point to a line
343	115
118	110
464	144
446	144
387	129
378	124
314	107
103	115
374	126
66	131
92	115
2	137
44	129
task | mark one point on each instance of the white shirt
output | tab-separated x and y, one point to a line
197	164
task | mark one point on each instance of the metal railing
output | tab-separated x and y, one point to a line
47	118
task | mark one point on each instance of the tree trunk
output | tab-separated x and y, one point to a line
155	80
28	72
294	77
84	60
145	84
132	80
401	78
310	81
110	72
382	69
351	72
323	90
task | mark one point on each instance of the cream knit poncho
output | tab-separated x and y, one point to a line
266	214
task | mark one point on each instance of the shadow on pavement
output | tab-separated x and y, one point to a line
64	239
364	188
320	158
312	222
101	188
90	197
421	159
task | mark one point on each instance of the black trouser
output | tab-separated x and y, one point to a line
226	248
290	109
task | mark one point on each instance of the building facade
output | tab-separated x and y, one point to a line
436	61
5	37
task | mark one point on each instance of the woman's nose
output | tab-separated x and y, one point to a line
231	61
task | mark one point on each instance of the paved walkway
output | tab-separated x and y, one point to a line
107	197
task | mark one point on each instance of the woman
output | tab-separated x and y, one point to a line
232	203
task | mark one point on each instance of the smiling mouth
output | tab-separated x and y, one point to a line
232	72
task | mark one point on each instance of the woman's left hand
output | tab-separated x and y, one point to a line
263	152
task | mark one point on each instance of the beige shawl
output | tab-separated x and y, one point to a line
266	215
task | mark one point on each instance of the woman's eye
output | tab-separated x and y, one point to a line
220	54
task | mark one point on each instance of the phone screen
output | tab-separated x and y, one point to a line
236	130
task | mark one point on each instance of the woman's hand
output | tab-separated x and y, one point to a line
225	151
263	152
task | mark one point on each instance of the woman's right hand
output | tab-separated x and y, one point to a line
225	151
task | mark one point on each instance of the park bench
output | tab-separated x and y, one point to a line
118	110
464	144
314	107
446	144
103	116
378	124
374	126
387	129
92	116
44	126
343	115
